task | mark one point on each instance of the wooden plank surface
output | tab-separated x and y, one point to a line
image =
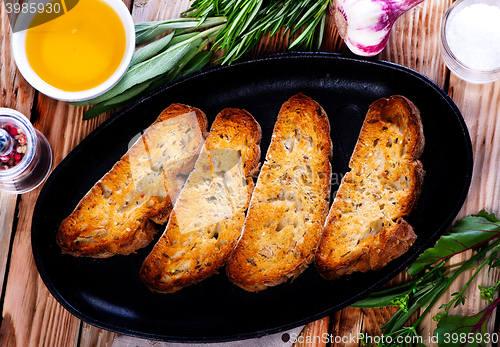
32	317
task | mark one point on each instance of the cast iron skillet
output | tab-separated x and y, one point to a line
108	293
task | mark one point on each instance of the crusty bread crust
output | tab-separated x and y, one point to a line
365	228
208	217
290	201
116	216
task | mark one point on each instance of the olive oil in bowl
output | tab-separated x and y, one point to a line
77	54
78	50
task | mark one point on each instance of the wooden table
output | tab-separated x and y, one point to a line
32	317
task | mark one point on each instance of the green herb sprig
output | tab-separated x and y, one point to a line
481	234
249	20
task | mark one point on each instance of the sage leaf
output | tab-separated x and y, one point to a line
179	38
128	94
162	80
149	30
170	75
174	72
151	50
467	233
98	109
199	61
118	101
177	71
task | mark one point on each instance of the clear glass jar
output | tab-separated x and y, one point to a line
31	155
455	64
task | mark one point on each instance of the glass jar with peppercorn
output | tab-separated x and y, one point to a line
25	154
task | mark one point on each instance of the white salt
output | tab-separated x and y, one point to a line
473	36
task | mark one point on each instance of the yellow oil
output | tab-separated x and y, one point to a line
78	50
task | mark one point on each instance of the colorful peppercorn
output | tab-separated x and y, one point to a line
19	146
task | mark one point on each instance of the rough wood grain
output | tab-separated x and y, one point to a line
92	336
315	334
280	339
8	203
414	40
150	10
18	95
36	318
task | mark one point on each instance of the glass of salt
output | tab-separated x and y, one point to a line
470	40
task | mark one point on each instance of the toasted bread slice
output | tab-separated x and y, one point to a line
290	201
116	216
208	216
365	228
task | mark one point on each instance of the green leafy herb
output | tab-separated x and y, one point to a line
149	30
479	233
249	20
151	50
466	234
455	331
195	64
487	293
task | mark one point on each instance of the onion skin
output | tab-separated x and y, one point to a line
364	25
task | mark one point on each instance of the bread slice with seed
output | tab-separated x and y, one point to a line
290	201
365	228
117	215
208	216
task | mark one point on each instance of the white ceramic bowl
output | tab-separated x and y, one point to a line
21	59
458	67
